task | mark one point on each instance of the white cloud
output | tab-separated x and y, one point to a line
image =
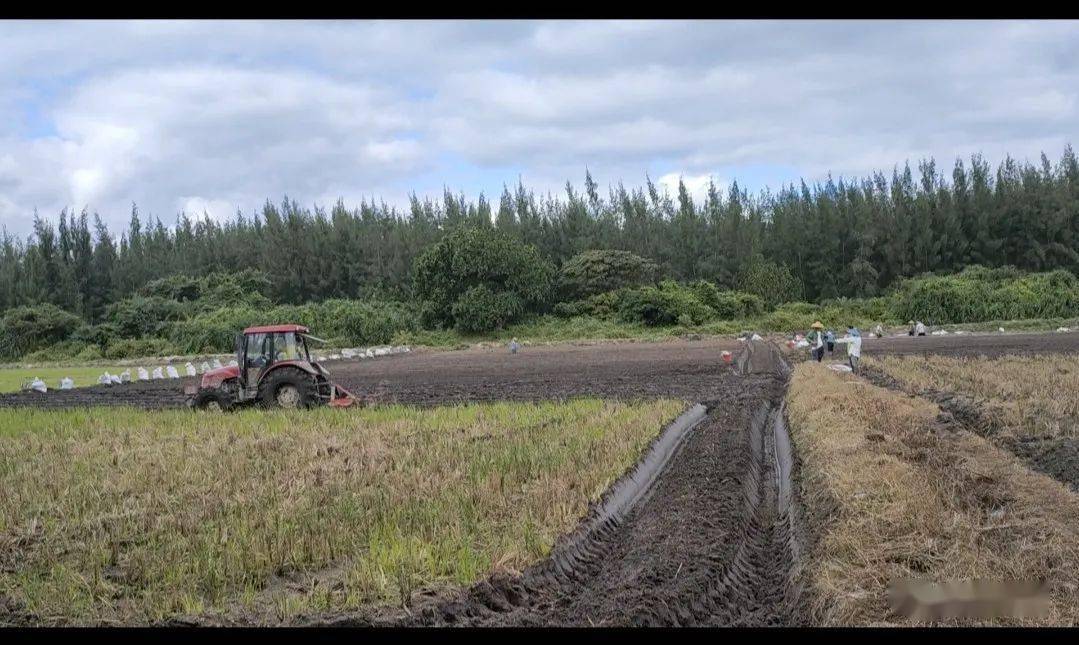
220	115
696	185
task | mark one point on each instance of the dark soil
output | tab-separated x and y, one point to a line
713	541
1058	458
984	344
685	369
148	395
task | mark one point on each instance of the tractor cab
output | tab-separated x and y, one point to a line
258	349
274	368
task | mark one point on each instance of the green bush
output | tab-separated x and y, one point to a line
979	294
600	271
136	347
140	316
773	283
89	353
64	351
865	308
32	327
727	305
213	331
178	287
481	310
664	305
603	305
478	257
367	323
98	335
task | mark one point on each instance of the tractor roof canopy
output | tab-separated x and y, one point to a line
276	329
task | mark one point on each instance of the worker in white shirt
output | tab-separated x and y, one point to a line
853	340
816	341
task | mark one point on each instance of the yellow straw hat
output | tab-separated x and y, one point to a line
817	325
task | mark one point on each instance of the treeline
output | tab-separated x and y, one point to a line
846	238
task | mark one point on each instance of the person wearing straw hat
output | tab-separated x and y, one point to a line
816	341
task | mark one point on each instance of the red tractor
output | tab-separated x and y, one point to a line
274	369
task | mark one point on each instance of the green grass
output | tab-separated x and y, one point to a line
129	516
12	378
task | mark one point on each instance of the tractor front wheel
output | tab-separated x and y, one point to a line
288	388
212	400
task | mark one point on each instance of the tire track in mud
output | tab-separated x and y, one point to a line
715	538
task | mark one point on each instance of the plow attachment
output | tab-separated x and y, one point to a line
340	397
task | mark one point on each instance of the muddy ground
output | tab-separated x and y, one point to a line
715	538
987	344
682	369
679	369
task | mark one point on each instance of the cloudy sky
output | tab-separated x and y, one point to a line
208	116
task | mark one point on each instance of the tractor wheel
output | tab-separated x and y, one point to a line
288	387
213	400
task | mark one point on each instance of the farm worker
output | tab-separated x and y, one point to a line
816	341
911	332
829	337
920	328
514	346
853	340
879	331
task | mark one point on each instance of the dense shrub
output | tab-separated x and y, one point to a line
64	351
469	258
213	331
864	308
603	305
794	316
367	323
479	309
979	294
32	327
663	305
98	335
727	305
772	283
140	316
177	287
136	347
594	272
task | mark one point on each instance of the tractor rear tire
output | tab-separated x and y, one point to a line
289	388
212	400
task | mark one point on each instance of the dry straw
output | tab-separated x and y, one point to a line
894	495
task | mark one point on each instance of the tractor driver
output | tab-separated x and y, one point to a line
286	347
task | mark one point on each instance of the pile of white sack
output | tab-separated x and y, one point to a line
360	353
